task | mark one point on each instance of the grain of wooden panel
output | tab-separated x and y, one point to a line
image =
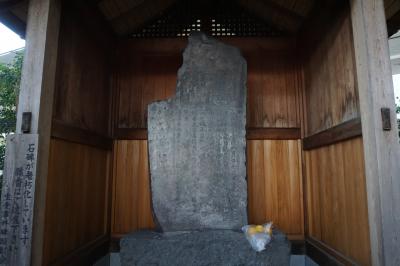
330	78
76	204
336	199
272	89
142	80
131	195
147	72
83	72
275	192
275	184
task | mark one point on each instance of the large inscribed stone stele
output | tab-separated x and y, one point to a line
197	142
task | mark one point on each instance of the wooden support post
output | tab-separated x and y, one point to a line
381	148
36	96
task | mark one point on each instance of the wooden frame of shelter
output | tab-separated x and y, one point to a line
82	181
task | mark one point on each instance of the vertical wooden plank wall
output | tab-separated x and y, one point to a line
77	205
132	202
335	184
78	187
337	212
331	93
275	184
146	70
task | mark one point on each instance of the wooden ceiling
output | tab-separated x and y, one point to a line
127	16
285	14
13	14
392	9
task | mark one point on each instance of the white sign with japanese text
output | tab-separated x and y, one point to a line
17	199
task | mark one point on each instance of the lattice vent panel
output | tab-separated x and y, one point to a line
219	18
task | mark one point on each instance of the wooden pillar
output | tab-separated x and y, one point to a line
381	147
36	96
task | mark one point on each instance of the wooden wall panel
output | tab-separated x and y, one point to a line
77	199
131	189
77	219
336	199
83	91
274	180
330	78
142	79
275	184
146	72
272	89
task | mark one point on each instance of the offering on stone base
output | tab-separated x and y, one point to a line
259	236
210	247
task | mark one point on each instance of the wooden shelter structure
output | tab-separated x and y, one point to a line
323	161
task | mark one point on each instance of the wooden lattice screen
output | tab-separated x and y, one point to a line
216	18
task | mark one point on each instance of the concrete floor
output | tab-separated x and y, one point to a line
112	259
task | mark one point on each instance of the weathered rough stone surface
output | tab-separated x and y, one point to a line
197	142
213	247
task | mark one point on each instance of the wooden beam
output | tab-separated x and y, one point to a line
87	254
381	148
130	133
36	97
325	255
252	133
347	130
13	22
81	136
273	133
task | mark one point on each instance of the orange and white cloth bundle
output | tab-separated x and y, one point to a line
259	236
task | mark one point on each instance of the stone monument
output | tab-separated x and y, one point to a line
197	142
197	150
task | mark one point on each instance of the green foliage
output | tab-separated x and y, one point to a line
10	76
397	106
398	120
397	109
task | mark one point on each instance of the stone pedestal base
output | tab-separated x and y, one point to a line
212	247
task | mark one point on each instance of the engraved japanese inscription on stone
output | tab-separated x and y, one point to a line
17	199
197	142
